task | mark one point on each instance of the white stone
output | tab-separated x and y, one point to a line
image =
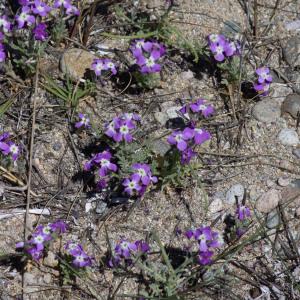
288	137
236	192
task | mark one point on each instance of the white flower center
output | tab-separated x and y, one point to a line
124	129
178	137
105	162
150	62
142	172
13	149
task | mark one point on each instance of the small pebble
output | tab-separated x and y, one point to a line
291	105
288	137
268	201
235	193
101	207
296	152
273	219
266	111
283	181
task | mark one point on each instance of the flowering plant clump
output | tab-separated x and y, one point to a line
121	127
125	251
264	80
139	180
102	161
33	16
147	54
84	121
207	242
221	47
242	219
103	64
79	257
185	140
41	237
9	148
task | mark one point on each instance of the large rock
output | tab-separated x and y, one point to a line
291	51
267	110
268	201
76	62
291	105
235	194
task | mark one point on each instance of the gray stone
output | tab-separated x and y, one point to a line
235	193
216	206
283	181
50	260
161	117
160	147
279	92
266	111
101	207
291	105
273	219
288	137
76	62
296	152
293	26
56	146
188	75
291	51
172	111
268	201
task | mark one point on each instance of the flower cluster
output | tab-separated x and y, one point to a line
199	106
207	240
7	147
147	55
102	161
263	81
121	127
186	139
79	256
139	180
103	64
41	237
29	15
243	212
84	121
124	250
221	47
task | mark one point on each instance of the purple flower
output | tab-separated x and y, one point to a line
147	54
72	10
82	260
40	33
124	248
243	212
148	64
187	155
84	121
123	132
201	106
216	38
103	160
40	8
204	236
200	136
204	257
262	89
177	138
218	50
60	3
264	75
142	246
23	2
5	24
217	240
73	248
230	49
143	171
59	226
132	184
25	17
103	64
14	150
